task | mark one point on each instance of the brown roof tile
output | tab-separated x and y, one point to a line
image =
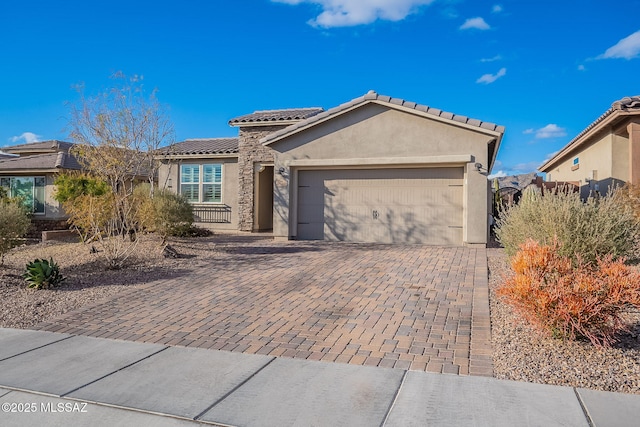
373	96
42	146
202	146
50	161
275	116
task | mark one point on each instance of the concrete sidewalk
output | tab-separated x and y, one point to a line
60	379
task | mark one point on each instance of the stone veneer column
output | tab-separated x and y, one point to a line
250	151
634	152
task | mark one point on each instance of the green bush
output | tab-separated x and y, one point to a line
585	230
166	213
174	214
14	224
71	186
43	274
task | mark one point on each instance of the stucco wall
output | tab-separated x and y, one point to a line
378	132
619	157
52	208
605	151
169	178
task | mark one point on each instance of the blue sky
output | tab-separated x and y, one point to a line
544	69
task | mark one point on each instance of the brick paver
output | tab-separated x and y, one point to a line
397	306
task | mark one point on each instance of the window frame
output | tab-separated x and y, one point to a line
199	181
35	202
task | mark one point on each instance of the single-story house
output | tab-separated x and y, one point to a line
605	154
30	173
375	169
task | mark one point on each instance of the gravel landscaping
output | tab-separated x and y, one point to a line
523	354
519	353
88	281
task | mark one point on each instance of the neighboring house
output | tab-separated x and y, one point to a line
376	169
30	174
605	154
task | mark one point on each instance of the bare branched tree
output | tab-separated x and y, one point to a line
117	133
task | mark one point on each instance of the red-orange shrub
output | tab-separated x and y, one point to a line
570	300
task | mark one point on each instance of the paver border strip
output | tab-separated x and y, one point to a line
480	351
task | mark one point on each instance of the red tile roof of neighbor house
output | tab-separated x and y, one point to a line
626	106
275	116
42	162
201	146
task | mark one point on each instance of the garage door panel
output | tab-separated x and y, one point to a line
383	205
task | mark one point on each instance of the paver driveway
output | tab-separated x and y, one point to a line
402	306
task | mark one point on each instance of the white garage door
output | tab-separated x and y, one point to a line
381	205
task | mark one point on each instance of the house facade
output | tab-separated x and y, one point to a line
605	154
375	169
30	173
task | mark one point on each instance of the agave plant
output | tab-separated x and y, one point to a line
43	274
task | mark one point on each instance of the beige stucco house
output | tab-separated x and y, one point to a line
30	173
605	154
375	169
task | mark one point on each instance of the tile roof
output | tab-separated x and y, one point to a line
42	146
372	96
628	104
276	116
49	161
202	146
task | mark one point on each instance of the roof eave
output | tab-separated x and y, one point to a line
33	171
196	156
265	123
267	140
612	117
492	161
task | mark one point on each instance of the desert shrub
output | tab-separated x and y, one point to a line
164	212
570	299
87	201
14	224
43	274
90	214
590	229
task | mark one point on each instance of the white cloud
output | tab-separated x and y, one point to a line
27	137
551	131
627	48
498	174
493	59
475	23
526	167
581	67
497	8
518	169
346	13
490	78
529	131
